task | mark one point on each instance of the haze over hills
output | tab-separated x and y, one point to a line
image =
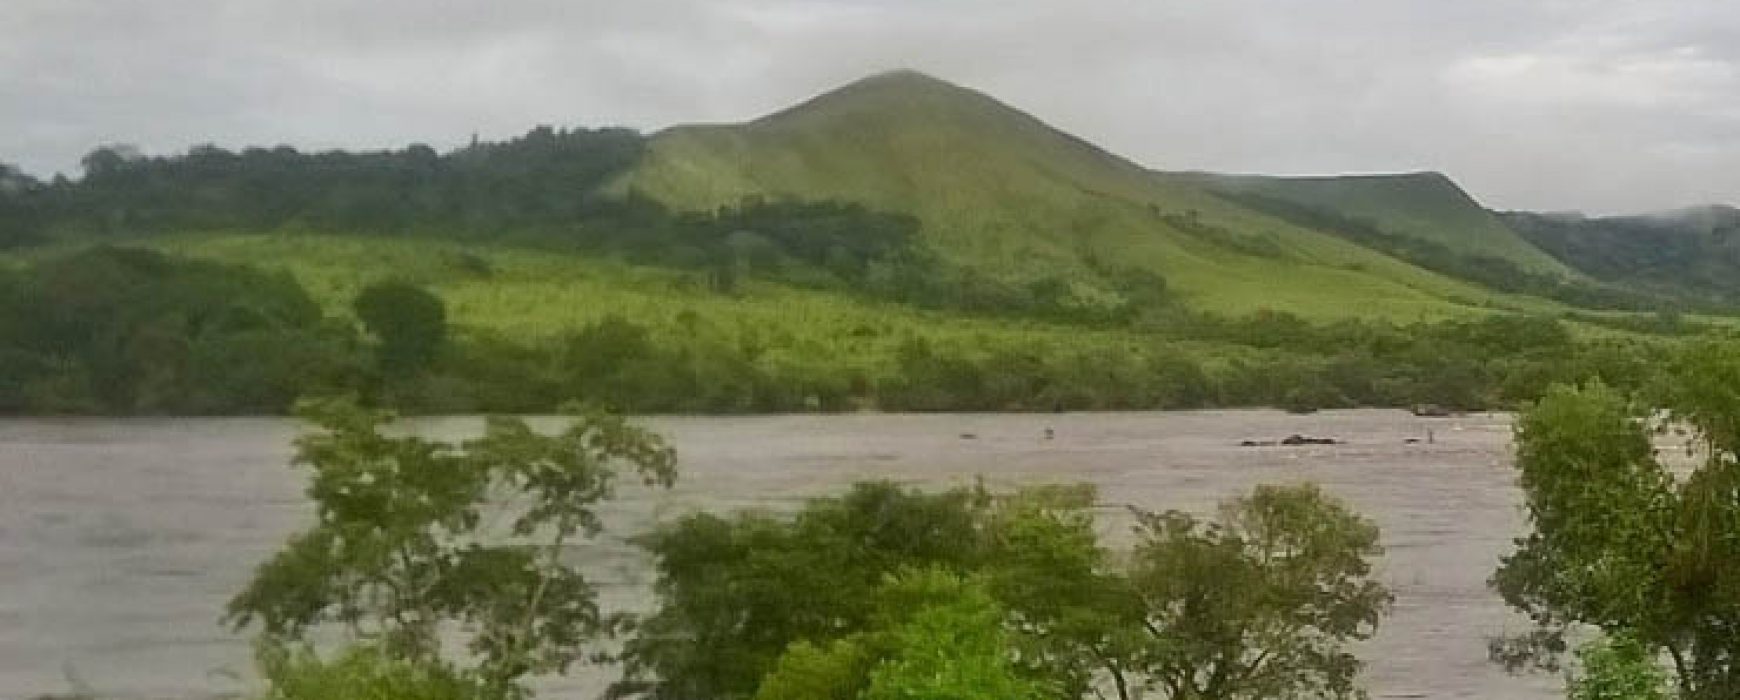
1692	253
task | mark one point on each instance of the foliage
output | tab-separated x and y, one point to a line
409	323
1618	669
115	330
1622	544
403	546
361	673
1689	255
1260	603
935	637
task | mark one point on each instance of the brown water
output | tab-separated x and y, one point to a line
121	539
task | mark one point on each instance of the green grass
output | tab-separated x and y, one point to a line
1001	191
533	296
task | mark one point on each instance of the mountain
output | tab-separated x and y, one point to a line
1001	192
1692	252
1425	206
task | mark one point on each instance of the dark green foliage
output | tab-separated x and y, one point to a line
130	331
21	209
538	181
1690	254
1260	603
737	592
411	534
957	594
409	324
1620	541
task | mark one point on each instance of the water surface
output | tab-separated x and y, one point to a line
120	540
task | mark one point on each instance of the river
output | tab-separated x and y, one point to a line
120	540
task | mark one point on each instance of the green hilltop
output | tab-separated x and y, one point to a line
1002	192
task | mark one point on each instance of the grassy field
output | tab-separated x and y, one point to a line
533	295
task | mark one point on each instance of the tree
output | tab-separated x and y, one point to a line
936	636
1617	669
1622	544
409	322
402	547
1260	603
735	593
1015	595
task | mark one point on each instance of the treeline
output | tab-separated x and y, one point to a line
541	179
1486	270
125	331
547	188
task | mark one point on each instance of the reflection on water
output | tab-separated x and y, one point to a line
120	540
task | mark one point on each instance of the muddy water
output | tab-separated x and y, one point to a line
120	540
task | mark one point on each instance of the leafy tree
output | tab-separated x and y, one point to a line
936	636
1260	603
1618	542
360	673
403	549
409	322
735	593
1256	605
1618	669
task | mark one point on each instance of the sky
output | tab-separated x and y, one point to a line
1601	106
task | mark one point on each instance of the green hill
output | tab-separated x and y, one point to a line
1425	206
1689	253
1000	191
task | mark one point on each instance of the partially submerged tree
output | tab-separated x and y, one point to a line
1260	603
1257	604
1624	543
419	541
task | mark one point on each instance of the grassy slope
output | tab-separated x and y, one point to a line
1001	191
535	295
1423	205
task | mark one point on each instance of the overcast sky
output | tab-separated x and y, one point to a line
1597	105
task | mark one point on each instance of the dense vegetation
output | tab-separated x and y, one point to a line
1629	540
513	276
124	330
883	593
1690	254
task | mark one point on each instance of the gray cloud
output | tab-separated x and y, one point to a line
1602	105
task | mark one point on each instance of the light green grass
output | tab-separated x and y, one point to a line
533	296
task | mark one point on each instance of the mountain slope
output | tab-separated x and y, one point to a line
1000	191
1426	206
1692	253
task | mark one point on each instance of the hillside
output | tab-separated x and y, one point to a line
1690	253
1000	191
1426	206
